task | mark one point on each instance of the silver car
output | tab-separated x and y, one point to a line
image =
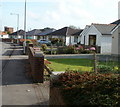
44	41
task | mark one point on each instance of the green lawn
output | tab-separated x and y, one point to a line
74	64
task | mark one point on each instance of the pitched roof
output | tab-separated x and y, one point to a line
33	32
19	32
116	22
64	31
3	33
45	32
105	29
78	33
85	29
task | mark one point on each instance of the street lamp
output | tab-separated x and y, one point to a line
17	22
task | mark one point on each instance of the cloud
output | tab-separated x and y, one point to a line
33	15
59	13
68	12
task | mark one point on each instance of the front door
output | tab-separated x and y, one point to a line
92	40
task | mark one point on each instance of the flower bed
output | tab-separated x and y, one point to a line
89	88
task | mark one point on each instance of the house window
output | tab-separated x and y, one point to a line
76	39
92	40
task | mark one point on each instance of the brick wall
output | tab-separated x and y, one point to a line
6	40
56	98
36	59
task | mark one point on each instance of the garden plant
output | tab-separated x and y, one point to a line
89	89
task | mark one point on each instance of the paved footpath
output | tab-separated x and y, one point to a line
17	88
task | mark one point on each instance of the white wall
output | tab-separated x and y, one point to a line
20	36
4	36
72	40
106	44
67	40
105	41
115	42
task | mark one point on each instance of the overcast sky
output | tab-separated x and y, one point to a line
58	13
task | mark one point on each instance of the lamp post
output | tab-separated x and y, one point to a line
17	23
24	44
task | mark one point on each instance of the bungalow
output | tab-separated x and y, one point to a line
43	34
17	35
67	34
33	34
3	35
99	35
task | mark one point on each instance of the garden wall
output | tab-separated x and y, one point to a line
36	60
7	40
56	97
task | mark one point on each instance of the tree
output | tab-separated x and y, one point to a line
74	27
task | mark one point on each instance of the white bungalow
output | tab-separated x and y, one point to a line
98	35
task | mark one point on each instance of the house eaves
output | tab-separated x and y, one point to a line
117	22
115	29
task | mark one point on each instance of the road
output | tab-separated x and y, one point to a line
17	88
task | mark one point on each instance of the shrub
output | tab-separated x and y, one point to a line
89	88
85	51
70	49
79	49
44	47
56	40
28	41
104	69
61	50
66	50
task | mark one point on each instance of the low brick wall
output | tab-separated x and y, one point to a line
22	40
55	97
36	60
7	40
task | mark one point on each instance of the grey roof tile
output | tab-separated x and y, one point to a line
105	29
45	32
33	32
64	31
19	32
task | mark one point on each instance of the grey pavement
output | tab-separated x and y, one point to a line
17	88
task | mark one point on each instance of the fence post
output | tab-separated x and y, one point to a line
95	63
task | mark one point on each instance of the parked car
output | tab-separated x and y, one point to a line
44	41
